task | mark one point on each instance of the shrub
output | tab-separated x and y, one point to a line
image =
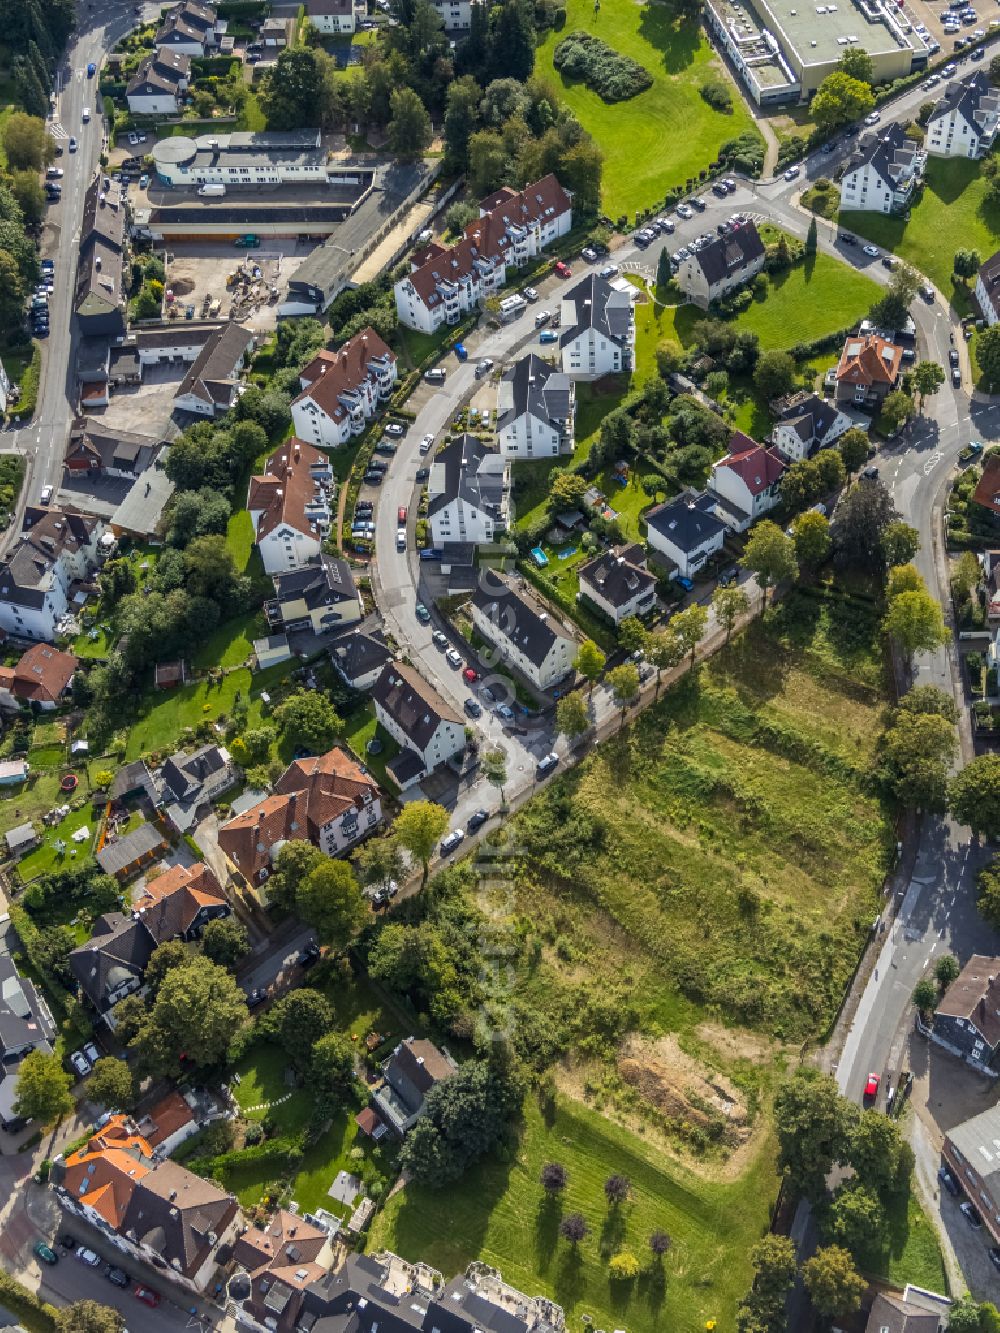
623	1267
613	76
717	94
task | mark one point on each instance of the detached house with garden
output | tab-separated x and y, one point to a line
528	638
598	328
59	549
720	265
157	86
964	121
687	531
747	482
413	1069
427	729
618	583
806	422
967	1016
868	371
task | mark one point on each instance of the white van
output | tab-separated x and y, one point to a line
86	114
46	495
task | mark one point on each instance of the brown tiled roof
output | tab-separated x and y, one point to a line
869	359
756	466
170	902
170	1114
285	487
42	674
987	492
975	995
310	793
329	375
179	1215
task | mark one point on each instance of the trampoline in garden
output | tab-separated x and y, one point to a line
69	783
539	557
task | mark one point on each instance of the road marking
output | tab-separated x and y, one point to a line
57	131
932	462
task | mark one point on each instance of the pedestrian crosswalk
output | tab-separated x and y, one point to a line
57	131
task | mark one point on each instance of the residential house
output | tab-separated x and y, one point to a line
468	493
180	903
331	16
883	171
535	407
598	328
170	1121
328	800
126	856
113	962
157	86
986	493
717	266
987	289
527	637
968	1014
93	450
5	388
806	422
59	549
321	596
25	1025
13	772
747	481
290	507
151	1209
359	659
686	530
964	120
413	1069
456	15
342	390
40	679
868	371
212	383
190	29
102	272
189	782
279	1261
133	781
618	583
419	720
971	1153
23	838
513	227
894	1313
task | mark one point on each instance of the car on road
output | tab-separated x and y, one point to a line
373	477
78	1060
871	473
72	144
471	675
44	1252
547	764
956	377
454	840
473	708
88	1257
91	1052
147	1295
85	115
426	444
791	173
530	294
949	1181
396	430
439	639
872	251
454	658
91	70
505	712
118	1276
401	515
436	375
422	614
548	336
422	473
846	238
971	1214
48	266
542	317
927	292
483	367
684	211
873	118
871	1087
563	270
477	820
401	539
610	270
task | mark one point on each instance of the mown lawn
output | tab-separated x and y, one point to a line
912	1252
498	1212
45	857
360	727
232	643
654	142
952	212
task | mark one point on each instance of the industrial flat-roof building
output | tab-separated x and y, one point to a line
784	49
241	159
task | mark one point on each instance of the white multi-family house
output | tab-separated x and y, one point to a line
359	659
4	388
58	549
964	121
320	596
598	329
419	720
341	391
883	172
331	16
806	422
686	530
512	228
747	481
289	506
191	29
618	583
156	87
717	266
988	289
241	160
468	493
535	406
213	383
528	639
456	15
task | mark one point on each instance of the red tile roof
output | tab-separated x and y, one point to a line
286	486
42	674
170	1114
758	467
329	375
170	902
987	492
869	360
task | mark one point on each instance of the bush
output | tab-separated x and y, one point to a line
613	76
717	94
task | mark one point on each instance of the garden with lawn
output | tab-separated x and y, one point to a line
360	729
655	141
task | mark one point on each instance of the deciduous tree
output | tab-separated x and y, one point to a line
900	543
27	142
814	1126
855	1218
419	827
493	764
762	1309
974	795
775	374
928	377
379	861
835	1285
89	1317
572	716
329	899
623	681
308	718
925	996
841	99
914	622
917	751
225	941
946	969
553	1177
966	264
987	354
862	517
167	1033
853	446
858	64
410	126
729	603
574	1228
897	409
43	1088
331	1068
111	1084
689	628
589	662
770	555
811	535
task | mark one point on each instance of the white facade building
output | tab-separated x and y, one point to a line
58	549
882	174
468	493
964	122
687	531
806	423
273	157
721	264
535	407
598	329
289	506
342	391
618	583
747	480
418	719
331	16
528	639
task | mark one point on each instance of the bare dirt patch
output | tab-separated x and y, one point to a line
681	1088
735	1043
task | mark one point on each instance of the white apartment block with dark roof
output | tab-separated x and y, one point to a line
806	422
988	289
512	228
468	493
717	266
419	720
528	638
883	172
535	407
332	16
964	121
156	87
342	390
598	329
289	506
58	549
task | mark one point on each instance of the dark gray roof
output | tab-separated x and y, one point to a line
618	575
516	618
599	305
211	375
325	582
537	389
405	766
116	856
460	1306
468	469
184	775
810	416
688	521
357	654
738	247
893	1313
25	578
25	1022
414	706
178	1214
132	778
973	97
119	948
105	448
977	1140
989	275
887	150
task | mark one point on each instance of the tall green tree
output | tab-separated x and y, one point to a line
689	628
811	535
775	374
111	1084
835	1285
915	623
663	274
493	765
329	899
572	716
840	100
27	142
43	1088
770	555
900	543
762	1310
460	119
309	719
966	264
298	1021
928	377
167	1034
623	681
987	354
589	662
917	751
814	1125
974	795
291	91
858	64
419	827
897	409
729	603
89	1317
410	125
225	942
853	446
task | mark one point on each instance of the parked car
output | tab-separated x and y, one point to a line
956	377
684	211
872	251
78	1060
454	658
478	820
610	270
971	1214
548	336
547	764
542	317
256	997
436	375
530	294
431	553
471	675
147	1295
373	477
396	430
422	474
454	840
563	270
846	238
791	173
473	708
308	956
871	473
504	711
422	614
88	1257
871	1087
949	1181
483	367
91	70
91	1052
118	1276
44	1252
589	255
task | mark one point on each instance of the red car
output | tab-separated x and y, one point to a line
147	1295
401	515
563	270
470	674
871	1087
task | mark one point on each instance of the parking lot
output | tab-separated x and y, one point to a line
146	408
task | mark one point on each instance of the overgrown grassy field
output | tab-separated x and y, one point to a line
952	211
499	1213
657	140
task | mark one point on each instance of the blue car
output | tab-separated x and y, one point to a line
91	70
422	614
686	584
431	554
461	352
548	336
